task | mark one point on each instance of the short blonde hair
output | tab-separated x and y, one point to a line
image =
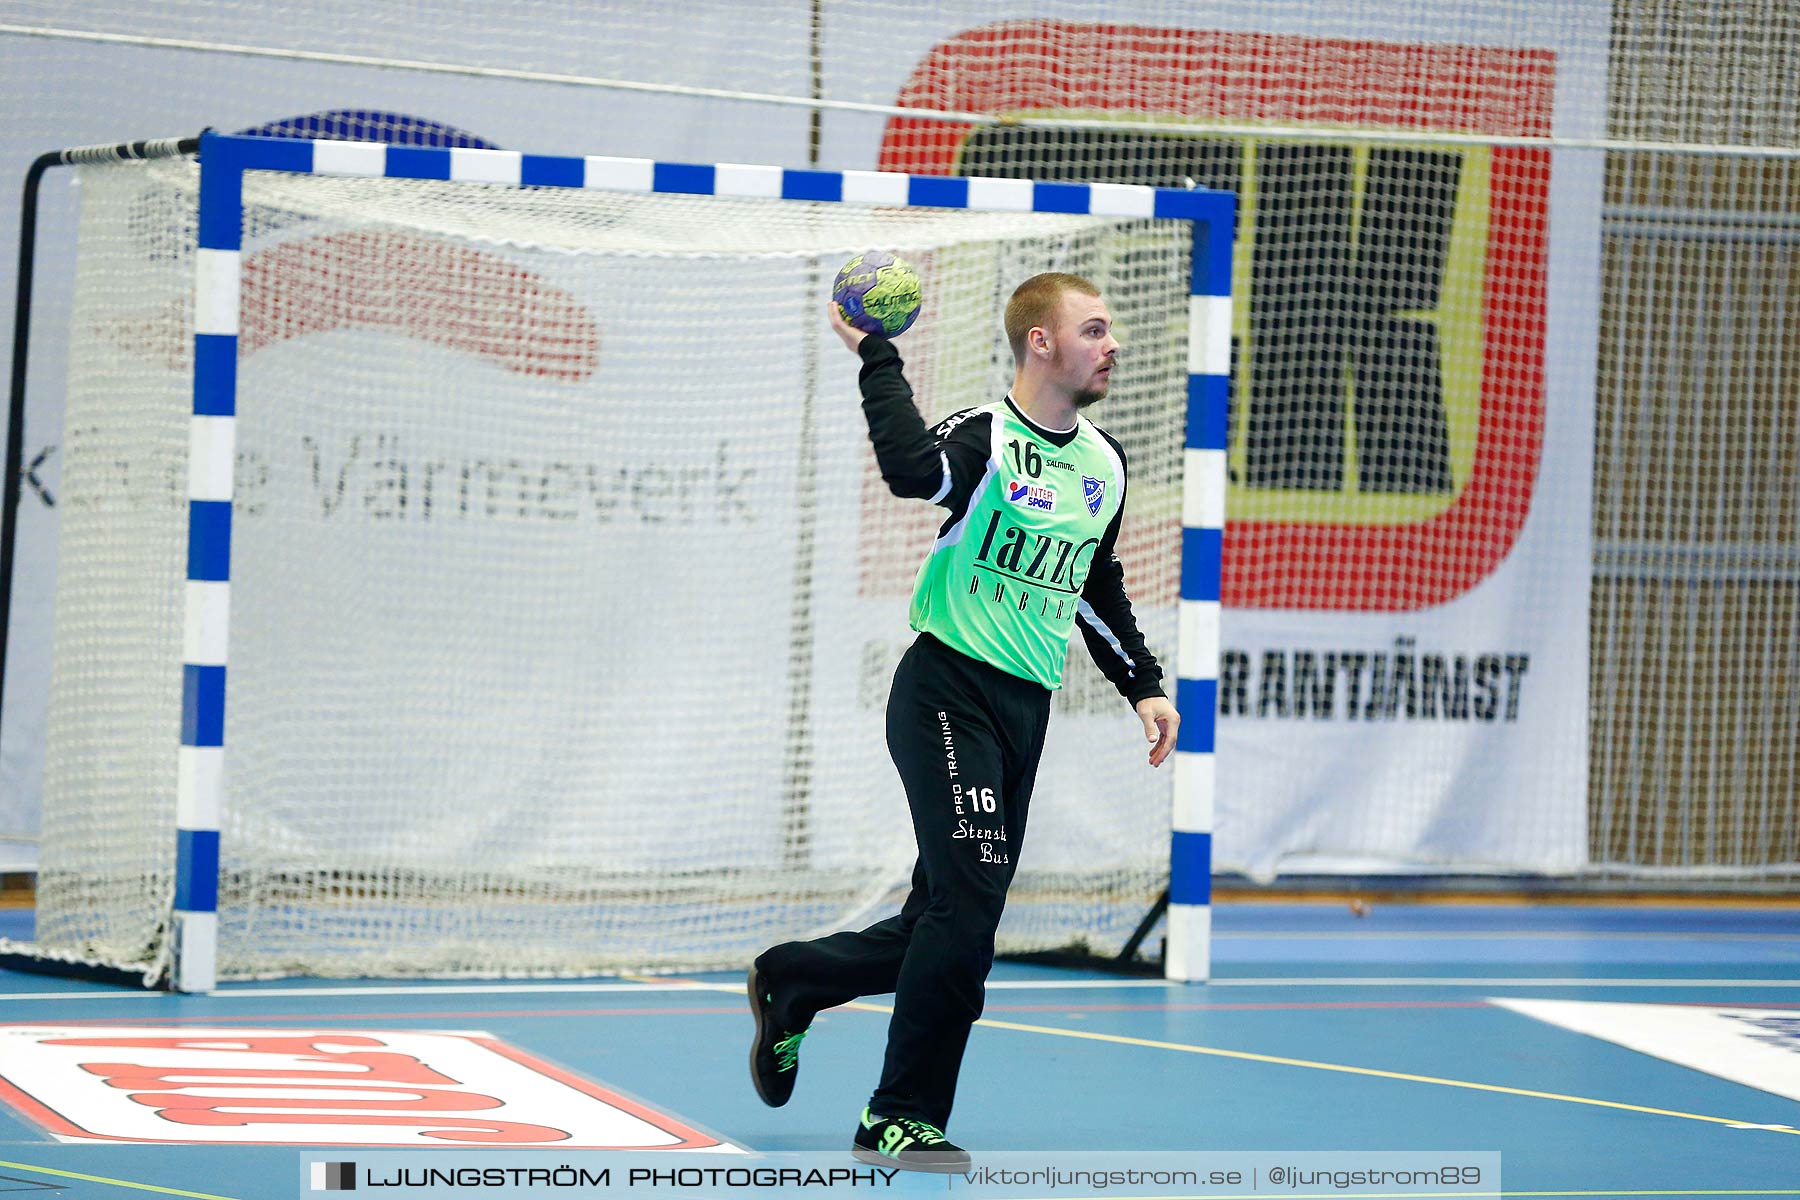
1034	303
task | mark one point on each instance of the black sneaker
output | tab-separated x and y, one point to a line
907	1142
774	1052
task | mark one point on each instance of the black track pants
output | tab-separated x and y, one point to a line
966	738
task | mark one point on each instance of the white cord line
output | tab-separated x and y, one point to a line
442	68
1270	132
247	992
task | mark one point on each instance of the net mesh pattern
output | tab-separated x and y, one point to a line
564	590
1695	593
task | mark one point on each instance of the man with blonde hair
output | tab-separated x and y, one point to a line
1034	494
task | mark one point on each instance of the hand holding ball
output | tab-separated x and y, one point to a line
878	292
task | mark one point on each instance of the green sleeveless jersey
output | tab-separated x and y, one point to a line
1003	583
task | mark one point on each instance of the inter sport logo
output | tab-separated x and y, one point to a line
1031	495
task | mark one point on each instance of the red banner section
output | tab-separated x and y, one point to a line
1054	67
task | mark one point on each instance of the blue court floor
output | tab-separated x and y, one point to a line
1417	1027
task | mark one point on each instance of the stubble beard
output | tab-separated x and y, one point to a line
1085	397
1082	397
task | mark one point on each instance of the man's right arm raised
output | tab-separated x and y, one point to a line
915	461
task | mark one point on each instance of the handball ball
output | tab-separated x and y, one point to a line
878	292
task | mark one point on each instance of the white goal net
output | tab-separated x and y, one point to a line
564	591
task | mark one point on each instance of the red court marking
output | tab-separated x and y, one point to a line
203	1107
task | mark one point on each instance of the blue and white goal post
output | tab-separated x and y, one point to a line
224	161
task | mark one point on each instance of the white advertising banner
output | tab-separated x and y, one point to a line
1757	1047
1404	675
430	1088
1403	683
135	91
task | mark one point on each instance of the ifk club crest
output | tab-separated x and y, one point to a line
1094	492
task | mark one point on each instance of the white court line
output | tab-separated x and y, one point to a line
1377	935
1022	985
1505	981
1354	981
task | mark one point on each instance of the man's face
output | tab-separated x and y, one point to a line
1084	349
